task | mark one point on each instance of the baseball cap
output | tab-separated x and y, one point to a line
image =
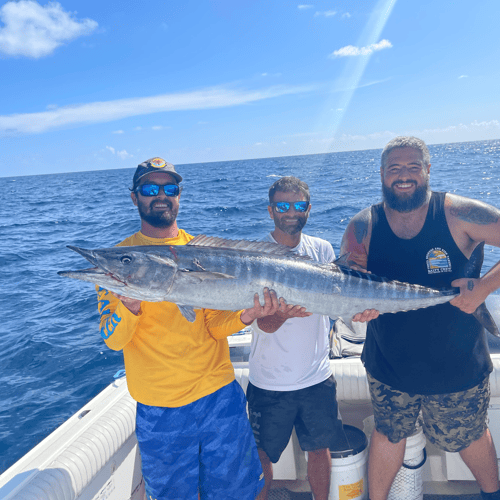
154	165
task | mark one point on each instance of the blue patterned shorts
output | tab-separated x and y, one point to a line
206	446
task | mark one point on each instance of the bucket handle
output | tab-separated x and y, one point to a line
413	467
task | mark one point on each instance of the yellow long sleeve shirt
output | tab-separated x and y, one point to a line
168	360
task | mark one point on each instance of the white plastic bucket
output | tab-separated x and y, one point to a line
408	483
349	472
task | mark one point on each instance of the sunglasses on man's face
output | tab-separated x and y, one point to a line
154	189
283	206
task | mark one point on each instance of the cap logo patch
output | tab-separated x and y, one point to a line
157	162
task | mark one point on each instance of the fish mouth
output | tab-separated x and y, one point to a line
93	271
89	274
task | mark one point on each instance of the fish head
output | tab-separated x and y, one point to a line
141	273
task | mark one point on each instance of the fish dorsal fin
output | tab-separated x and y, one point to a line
343	264
343	260
246	245
367	276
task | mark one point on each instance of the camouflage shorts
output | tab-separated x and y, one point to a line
450	421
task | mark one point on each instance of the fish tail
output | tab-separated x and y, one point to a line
484	317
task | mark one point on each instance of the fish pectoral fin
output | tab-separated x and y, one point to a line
187	312
162	260
187	276
484	317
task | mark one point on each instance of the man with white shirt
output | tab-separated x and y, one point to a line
291	382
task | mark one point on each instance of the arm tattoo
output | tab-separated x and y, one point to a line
470	285
360	230
476	214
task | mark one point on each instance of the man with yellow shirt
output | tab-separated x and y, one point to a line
192	427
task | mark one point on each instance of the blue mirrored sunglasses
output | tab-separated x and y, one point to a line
284	206
154	189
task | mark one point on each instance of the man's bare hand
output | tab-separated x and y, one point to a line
471	295
279	313
274	308
133	305
287	311
271	305
366	315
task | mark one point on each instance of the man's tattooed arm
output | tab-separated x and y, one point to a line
474	211
356	239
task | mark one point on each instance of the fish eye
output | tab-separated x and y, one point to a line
126	259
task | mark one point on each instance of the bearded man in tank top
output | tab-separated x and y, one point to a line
435	360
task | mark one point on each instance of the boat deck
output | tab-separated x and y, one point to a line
94	455
281	493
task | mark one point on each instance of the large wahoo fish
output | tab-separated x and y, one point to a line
222	274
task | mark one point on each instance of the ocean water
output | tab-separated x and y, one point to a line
52	358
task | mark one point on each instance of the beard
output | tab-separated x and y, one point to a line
160	219
291	228
406	203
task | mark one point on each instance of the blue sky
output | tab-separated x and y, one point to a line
92	85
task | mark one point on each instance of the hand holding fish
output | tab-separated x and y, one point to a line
272	322
366	315
133	305
272	306
471	294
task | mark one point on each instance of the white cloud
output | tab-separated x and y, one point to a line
32	30
327	13
463	76
305	6
346	15
274	75
121	154
351	50
118	132
473	126
156	127
474	131
107	111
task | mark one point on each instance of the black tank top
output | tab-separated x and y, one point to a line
436	350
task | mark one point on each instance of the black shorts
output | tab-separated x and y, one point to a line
313	411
